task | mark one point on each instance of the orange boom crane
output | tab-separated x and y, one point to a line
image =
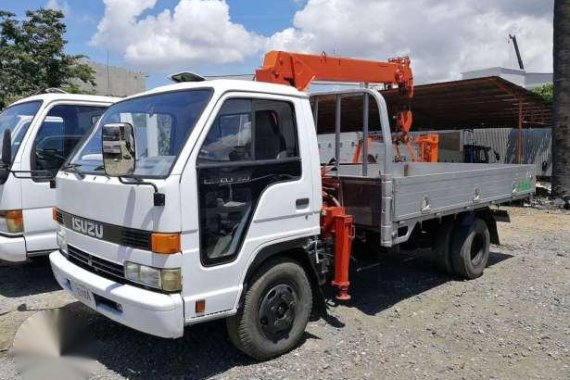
299	71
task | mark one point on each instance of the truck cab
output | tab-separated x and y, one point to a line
39	133
235	168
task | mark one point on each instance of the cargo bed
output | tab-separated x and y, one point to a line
392	197
420	190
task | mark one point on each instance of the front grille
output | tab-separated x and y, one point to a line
59	216
94	264
136	238
103	268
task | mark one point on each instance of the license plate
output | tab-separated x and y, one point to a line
82	294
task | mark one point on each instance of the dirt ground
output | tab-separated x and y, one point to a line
406	321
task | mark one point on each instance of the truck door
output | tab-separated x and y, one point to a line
60	131
251	187
251	145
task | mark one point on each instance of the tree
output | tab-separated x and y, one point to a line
561	112
546	92
32	56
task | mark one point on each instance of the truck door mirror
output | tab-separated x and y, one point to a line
119	153
7	147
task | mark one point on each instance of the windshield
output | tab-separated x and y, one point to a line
161	122
18	118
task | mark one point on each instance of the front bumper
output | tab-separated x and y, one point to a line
13	249
150	312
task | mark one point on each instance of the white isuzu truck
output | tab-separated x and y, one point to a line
39	133
208	199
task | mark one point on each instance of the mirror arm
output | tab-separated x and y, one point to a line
39	174
159	199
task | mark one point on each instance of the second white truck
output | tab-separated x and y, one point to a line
38	134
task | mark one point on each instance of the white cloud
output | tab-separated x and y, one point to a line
196	31
443	38
60	5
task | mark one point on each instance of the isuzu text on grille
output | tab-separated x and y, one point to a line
87	227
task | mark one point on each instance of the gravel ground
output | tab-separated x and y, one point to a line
406	321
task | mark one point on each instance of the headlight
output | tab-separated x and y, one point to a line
171	279
165	279
150	276
61	240
11	221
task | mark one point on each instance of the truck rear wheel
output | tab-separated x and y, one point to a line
470	249
442	246
275	312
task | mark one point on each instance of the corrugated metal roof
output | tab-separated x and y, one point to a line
490	102
474	103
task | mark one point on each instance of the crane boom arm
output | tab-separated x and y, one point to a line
299	70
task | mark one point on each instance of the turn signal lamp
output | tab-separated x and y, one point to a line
54	214
165	243
200	306
13	221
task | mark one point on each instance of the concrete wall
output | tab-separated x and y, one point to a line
115	81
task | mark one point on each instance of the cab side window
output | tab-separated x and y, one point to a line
61	130
229	138
251	129
275	132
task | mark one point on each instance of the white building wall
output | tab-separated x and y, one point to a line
516	76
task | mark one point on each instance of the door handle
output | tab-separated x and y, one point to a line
302	202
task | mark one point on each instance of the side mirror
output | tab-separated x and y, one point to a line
119	153
7	147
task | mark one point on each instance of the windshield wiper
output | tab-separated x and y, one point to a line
70	167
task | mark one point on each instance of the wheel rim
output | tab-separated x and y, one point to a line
277	311
477	249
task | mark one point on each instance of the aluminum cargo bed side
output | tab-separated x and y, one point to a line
447	188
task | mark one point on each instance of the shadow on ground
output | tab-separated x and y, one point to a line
395	277
204	351
34	277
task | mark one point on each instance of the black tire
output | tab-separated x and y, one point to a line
470	249
442	246
275	312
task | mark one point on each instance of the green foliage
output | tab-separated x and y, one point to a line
32	56
546	91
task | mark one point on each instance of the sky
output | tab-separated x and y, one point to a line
219	37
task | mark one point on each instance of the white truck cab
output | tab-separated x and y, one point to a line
218	178
39	132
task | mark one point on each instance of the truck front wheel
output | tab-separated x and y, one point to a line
275	312
470	249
